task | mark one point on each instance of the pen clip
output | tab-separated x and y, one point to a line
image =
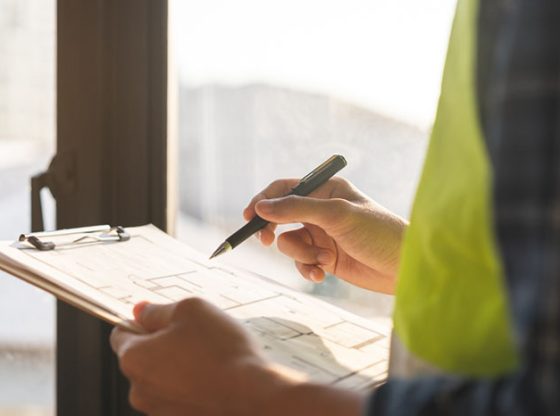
319	169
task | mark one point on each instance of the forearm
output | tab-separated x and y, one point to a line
313	399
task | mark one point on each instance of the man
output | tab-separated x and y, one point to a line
477	319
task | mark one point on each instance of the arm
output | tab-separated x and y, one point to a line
197	360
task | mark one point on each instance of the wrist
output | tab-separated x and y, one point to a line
295	397
260	383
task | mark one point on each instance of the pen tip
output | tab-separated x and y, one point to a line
225	246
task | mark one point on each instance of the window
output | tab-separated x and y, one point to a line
111	146
270	89
27	127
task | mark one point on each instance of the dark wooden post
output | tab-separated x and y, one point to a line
111	115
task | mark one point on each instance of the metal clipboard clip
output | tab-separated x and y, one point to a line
102	233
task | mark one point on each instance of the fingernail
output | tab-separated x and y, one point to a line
324	257
139	307
315	276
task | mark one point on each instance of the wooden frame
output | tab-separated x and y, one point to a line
112	151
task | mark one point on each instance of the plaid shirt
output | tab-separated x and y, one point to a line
518	69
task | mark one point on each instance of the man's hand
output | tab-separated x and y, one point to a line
344	232
195	360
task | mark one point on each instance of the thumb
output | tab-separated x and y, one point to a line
325	213
153	317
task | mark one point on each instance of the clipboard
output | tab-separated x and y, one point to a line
101	233
114	268
40	241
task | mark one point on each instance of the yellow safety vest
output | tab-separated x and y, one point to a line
451	310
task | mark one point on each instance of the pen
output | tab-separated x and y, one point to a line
306	185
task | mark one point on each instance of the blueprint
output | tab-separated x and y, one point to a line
297	331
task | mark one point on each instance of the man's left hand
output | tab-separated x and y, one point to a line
193	360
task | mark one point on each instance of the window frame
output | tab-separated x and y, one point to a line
112	134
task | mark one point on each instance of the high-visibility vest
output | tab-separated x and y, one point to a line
451	309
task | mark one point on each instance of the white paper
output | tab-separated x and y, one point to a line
295	330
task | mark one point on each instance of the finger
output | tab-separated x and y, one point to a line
138	308
325	213
141	399
280	187
335	187
154	317
127	347
297	244
311	272
121	340
266	235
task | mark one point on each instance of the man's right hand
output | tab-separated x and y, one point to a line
344	232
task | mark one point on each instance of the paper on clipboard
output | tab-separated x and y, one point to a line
296	330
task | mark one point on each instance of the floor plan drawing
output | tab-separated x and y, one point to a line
295	330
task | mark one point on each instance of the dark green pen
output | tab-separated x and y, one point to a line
306	185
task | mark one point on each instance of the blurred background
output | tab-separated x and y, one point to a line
263	89
271	89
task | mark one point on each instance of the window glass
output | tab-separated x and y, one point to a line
27	127
270	89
